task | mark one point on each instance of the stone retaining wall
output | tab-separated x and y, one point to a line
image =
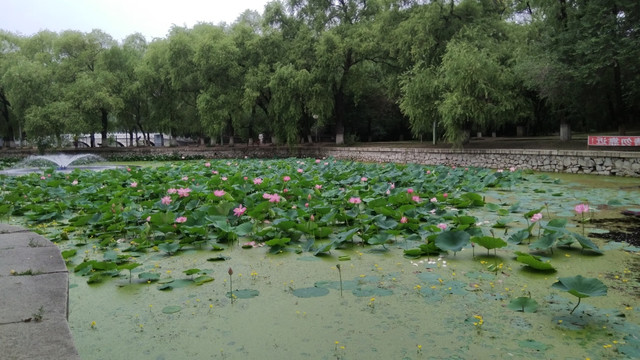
599	162
618	163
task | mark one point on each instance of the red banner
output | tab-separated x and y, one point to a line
614	140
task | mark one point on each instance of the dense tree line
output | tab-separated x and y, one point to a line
347	69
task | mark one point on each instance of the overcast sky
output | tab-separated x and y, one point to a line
118	18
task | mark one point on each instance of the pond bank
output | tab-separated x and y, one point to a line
34	295
598	162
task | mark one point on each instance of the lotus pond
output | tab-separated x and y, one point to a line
325	259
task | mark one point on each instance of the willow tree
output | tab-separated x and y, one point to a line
342	39
583	61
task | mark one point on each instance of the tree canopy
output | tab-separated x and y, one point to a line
339	70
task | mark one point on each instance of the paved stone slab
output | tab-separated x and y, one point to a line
23	239
34	259
44	340
22	336
23	296
6	228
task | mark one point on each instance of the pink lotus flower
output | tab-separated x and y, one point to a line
309	197
433	200
318	186
148	218
410	190
257	181
134	184
74	182
181	219
219	193
499	170
129	169
172	191
246	178
581	208
393	186
285	190
207	164
442	226
224	178
536	217
326	163
445	195
512	169
214	172
286	178
300	171
317	161
166	200
312	218
266	196
239	210
184	192
388	192
42	178
363	179
185	178
355	200
403	220
306	205
428	172
275	198
415	198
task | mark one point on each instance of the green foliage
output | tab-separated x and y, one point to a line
534	262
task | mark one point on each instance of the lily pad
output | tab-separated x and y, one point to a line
524	304
346	285
244	293
309	292
171	309
533	344
149	276
371	291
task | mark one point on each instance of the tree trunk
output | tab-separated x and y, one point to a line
105	126
5	114
92	140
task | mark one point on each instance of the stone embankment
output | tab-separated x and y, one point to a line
600	162
34	298
619	163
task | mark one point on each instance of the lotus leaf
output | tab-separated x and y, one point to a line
452	240
244	293
524	304
489	242
371	291
310	292
581	287
586	243
202	279
533	261
519	236
545	242
149	276
171	309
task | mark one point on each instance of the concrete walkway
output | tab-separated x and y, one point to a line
34	298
